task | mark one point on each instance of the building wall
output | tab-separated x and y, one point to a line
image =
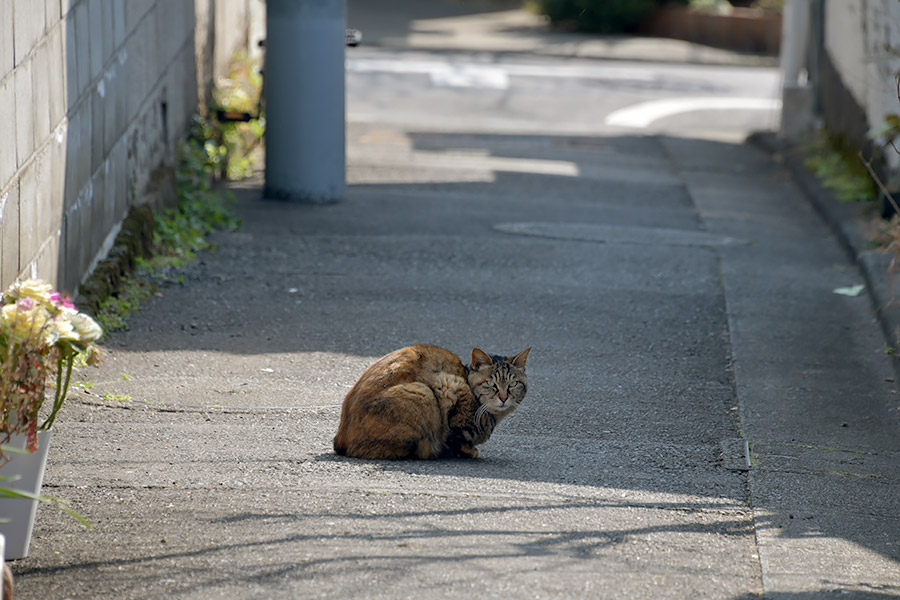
882	66
94	96
861	39
844	40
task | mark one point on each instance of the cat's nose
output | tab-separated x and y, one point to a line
502	396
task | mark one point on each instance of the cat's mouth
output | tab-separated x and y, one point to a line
494	407
501	407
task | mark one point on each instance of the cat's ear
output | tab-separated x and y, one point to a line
520	358
480	358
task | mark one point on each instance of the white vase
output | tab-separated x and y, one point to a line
20	512
2	562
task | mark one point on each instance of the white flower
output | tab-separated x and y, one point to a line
27	320
87	328
31	288
64	327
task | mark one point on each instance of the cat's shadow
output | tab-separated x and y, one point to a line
483	466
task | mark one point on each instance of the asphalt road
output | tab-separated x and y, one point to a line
488	92
677	292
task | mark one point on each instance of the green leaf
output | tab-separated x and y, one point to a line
58	502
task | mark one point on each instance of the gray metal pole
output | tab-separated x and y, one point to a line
797	112
304	87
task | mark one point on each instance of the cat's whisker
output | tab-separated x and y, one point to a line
480	413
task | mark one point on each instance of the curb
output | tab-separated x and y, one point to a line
845	222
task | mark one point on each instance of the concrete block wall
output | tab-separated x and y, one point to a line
94	96
857	73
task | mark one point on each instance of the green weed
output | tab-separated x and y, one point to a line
179	233
839	170
234	147
114	310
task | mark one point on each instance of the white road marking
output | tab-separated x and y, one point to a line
643	114
475	162
442	74
505	164
492	76
470	76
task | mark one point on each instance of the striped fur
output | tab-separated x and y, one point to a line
421	402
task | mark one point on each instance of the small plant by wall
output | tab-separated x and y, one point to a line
240	120
177	235
839	169
153	248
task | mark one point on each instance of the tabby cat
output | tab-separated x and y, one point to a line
422	402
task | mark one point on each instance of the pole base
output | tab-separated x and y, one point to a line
284	195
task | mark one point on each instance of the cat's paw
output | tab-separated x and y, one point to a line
467	452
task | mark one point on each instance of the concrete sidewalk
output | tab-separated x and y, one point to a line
706	417
666	336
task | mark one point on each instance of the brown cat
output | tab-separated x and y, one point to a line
421	402
8	587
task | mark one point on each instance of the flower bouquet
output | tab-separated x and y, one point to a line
41	336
